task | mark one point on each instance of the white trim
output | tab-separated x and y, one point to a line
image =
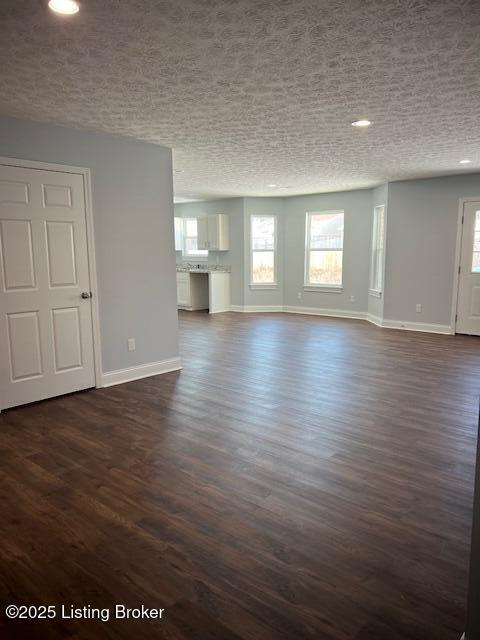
345	313
253	308
375	319
416	326
92	269
458	256
120	376
260	287
323	288
333	313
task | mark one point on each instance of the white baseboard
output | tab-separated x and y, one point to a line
253	308
417	326
375	319
357	315
120	376
333	313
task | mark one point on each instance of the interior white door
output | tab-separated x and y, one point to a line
468	304
46	335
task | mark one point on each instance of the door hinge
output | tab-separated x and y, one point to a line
463	217
459	269
456	317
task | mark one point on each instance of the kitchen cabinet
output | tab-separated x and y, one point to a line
192	290
213	232
203	290
178	234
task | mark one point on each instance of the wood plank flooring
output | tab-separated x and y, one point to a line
300	478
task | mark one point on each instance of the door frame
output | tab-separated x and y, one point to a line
458	256
92	266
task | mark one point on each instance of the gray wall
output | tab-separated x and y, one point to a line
379	197
234	208
356	261
421	228
421	237
133	223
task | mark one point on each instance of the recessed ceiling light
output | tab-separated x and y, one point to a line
67	7
361	123
465	161
278	186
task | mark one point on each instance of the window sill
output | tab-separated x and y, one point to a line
263	286
321	288
374	293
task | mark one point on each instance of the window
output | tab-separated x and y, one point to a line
263	247
476	244
324	249
190	239
378	239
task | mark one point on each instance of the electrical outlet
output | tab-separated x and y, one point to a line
352	298
131	344
299	295
418	308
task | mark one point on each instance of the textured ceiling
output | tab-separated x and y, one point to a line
253	92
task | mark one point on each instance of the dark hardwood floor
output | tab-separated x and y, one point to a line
301	478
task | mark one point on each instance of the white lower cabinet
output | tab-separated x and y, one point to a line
183	289
192	290
196	291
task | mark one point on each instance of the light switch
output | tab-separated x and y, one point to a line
131	344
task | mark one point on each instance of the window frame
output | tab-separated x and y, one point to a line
185	255
377	252
264	285
324	287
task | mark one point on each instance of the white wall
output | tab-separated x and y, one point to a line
421	235
356	260
133	223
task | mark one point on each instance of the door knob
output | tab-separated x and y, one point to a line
86	294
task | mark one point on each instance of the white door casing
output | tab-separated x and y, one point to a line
46	327
468	301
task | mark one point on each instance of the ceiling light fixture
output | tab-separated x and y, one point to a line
361	123
66	7
465	161
278	186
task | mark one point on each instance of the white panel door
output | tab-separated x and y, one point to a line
468	305
46	336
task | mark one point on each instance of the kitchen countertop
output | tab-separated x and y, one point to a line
203	268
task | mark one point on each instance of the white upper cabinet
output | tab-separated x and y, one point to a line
202	232
213	232
178	234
